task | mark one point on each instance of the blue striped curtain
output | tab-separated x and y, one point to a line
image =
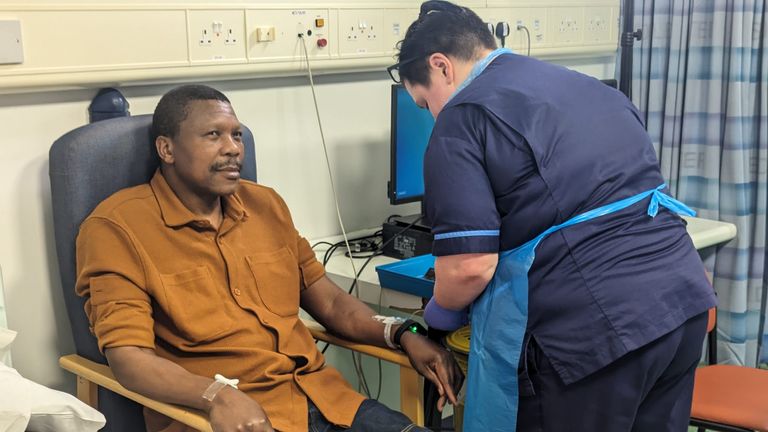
700	78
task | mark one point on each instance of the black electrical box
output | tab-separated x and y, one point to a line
411	242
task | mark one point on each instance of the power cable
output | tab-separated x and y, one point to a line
528	36
358	368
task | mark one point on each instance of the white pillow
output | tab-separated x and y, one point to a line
13	421
45	409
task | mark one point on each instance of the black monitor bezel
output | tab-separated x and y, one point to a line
393	153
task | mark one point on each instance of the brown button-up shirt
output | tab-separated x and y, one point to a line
214	301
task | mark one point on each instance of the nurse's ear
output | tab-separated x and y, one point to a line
440	63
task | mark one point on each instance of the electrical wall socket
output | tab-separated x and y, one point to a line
598	28
216	36
534	19
361	32
566	25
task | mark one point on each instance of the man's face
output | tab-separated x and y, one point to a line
207	153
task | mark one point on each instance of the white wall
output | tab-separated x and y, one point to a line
355	113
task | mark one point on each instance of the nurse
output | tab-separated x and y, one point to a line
552	226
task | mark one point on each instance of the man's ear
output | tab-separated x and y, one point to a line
164	146
439	62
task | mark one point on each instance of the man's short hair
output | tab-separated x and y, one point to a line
445	28
173	108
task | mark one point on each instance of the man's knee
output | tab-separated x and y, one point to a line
373	416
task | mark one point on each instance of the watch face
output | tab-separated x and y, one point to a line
418	329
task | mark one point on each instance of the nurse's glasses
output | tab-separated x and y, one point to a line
394	70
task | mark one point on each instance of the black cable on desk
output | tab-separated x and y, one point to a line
321	243
333	247
381	248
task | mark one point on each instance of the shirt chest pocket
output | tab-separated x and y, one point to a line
196	304
277	280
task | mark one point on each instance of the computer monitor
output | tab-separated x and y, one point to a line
411	129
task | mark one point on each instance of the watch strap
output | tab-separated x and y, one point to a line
407	326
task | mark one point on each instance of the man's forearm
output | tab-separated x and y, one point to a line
358	324
342	314
142	371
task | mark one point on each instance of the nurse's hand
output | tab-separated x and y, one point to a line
441	318
436	364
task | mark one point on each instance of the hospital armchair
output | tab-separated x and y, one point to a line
728	398
89	164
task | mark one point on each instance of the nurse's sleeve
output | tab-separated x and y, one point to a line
458	199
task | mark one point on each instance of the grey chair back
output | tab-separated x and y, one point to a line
87	165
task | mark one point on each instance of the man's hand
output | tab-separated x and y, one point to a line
349	318
141	370
436	364
233	411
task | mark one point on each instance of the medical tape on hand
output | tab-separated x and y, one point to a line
219	382
388	335
388	321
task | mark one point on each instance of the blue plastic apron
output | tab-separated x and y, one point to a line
499	318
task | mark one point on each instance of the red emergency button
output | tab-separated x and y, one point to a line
322	42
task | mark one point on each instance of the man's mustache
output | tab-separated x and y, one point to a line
229	163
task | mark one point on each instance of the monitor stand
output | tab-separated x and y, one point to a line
414	241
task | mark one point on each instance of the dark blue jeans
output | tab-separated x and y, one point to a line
372	416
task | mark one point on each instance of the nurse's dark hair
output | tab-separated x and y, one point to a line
173	108
445	28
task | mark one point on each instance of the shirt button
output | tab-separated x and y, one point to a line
237	291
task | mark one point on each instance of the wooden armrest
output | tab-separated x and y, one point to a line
101	375
90	373
411	402
320	333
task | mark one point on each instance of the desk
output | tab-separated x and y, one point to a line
708	232
704	233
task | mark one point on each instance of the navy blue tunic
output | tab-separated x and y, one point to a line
527	145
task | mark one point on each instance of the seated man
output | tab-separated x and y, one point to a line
199	273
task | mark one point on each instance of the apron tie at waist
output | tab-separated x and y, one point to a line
667	201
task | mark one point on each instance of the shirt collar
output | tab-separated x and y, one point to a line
174	213
478	68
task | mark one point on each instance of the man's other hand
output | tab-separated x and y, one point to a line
436	364
233	411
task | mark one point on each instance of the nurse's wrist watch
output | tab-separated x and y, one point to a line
410	326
